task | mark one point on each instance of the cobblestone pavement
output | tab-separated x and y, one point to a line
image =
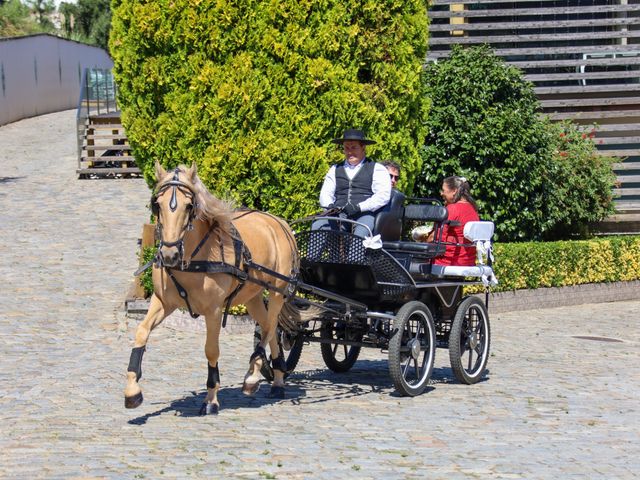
553	405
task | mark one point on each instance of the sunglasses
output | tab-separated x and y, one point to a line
394	177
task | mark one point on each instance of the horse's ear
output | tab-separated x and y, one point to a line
193	171
160	172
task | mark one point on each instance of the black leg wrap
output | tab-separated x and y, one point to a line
259	352
279	364
213	376
135	361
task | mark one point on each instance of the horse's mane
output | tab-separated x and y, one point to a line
211	209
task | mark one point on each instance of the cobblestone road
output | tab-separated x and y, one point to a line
553	405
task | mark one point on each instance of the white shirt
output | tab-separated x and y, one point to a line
381	186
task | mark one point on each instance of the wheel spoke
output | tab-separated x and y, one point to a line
418	330
406	367
417	367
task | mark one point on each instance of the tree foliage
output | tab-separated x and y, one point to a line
15	20
484	124
88	21
253	90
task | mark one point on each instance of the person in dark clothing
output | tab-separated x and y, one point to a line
358	186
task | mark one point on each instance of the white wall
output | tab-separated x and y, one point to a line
41	74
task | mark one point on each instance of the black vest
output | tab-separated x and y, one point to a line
356	190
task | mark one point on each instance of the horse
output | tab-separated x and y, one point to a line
211	257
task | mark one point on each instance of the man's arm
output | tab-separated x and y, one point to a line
328	190
381	187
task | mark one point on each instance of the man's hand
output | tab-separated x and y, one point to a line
351	210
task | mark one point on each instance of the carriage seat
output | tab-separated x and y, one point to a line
420	213
411	255
479	234
388	221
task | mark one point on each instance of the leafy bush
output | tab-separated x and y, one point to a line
253	91
147	254
578	182
484	125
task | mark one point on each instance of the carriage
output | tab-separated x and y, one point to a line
385	293
326	286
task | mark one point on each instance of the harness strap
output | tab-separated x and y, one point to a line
183	293
204	240
241	254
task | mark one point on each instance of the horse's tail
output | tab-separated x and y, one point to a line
292	316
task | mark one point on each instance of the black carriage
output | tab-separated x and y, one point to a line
386	293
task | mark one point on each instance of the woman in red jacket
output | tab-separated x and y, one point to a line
462	209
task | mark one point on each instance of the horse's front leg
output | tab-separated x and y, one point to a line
268	321
211	406
156	313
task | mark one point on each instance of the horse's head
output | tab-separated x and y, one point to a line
175	206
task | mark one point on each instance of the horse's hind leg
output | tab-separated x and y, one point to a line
268	321
211	406
156	313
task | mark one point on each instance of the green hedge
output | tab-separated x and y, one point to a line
538	265
559	264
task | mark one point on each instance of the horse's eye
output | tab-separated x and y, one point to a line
189	206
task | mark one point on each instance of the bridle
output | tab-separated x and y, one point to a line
175	184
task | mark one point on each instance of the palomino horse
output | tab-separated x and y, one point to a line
207	253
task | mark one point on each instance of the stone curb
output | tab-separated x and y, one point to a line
499	302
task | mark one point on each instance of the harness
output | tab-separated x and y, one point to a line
241	267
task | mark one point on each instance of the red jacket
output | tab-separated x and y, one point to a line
461	212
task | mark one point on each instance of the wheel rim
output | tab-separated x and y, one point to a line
415	353
473	341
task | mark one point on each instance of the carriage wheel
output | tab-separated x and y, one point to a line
339	358
290	346
469	340
412	349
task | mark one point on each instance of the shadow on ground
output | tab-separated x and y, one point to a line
306	387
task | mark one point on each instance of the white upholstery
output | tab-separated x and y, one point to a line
483	272
480	233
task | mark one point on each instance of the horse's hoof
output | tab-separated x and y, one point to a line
209	409
276	392
250	389
133	402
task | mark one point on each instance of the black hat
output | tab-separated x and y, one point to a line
353	134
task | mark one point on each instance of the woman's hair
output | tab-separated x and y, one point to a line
463	189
